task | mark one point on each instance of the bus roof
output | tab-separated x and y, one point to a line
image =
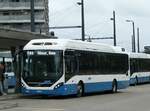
139	55
63	44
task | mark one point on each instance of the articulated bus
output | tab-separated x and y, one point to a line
58	67
139	68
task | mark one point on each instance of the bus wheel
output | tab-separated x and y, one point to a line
114	86
80	90
136	80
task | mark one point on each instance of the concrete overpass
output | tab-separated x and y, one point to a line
14	38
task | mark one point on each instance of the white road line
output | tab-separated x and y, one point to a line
41	109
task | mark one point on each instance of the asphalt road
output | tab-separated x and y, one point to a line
132	99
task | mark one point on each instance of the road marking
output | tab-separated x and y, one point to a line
43	109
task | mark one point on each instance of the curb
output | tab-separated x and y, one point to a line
9	97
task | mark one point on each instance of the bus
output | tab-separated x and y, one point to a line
10	78
139	68
59	67
9	72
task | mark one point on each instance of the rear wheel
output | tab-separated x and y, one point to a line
80	90
136	80
114	86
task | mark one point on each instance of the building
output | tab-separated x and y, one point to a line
16	14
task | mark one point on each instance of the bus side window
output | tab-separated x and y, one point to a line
133	66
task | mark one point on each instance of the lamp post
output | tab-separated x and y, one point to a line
82	19
138	41
133	40
114	27
32	16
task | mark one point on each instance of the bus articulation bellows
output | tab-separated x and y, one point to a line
68	67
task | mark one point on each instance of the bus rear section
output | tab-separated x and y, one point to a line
139	68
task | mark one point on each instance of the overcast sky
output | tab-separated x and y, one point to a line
97	19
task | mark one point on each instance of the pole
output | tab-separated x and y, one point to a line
114	25
138	41
82	18
134	46
132	38
32	16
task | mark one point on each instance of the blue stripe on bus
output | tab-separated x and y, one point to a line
63	90
132	81
70	89
140	80
104	86
143	79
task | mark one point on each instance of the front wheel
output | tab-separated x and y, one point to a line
80	90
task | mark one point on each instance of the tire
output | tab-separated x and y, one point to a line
80	90
114	86
136	80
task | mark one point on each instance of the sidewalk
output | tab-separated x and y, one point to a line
9	97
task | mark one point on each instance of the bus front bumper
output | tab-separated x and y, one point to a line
61	91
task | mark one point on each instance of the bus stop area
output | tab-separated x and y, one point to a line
9	97
11	41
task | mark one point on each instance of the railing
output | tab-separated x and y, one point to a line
10	5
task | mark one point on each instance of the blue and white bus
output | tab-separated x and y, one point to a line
10	79
68	67
139	68
9	72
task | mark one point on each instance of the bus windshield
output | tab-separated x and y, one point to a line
42	68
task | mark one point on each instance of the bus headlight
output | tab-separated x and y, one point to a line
59	85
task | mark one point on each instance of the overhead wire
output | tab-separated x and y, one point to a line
68	12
